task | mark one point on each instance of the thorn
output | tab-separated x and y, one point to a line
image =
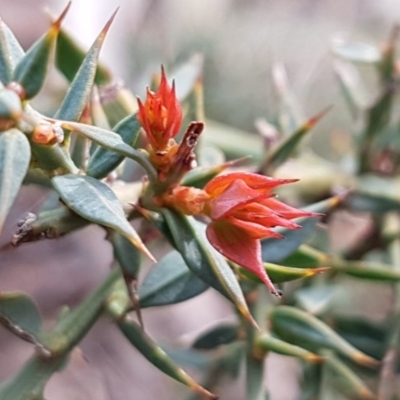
106	27
56	25
313	120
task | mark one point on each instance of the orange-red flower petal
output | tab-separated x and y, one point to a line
257	182
236	245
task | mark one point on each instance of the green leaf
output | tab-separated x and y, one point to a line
6	69
378	116
303	329
203	260
15	155
254	378
29	383
118	102
306	257
200	176
222	334
127	255
112	141
367	336
365	270
10	53
343	379
169	282
280	273
10	105
32	69
79	90
96	202
290	145
69	58
276	250
156	355
104	161
19	314
376	203
265	343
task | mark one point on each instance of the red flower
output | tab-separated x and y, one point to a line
243	211
161	115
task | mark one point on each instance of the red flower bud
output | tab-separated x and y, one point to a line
160	115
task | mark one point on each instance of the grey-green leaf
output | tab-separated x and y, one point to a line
19	314
11	53
112	141
15	155
96	202
127	255
103	161
203	260
77	95
170	281
153	353
32	69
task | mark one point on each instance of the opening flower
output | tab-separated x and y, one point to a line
243	211
160	115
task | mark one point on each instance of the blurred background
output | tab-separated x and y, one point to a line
240	42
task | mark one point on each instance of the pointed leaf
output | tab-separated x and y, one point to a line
15	155
127	255
170	281
96	202
118	102
32	69
104	161
111	141
69	58
367	336
364	270
153	353
12	50
254	378
304	330
290	145
265	343
19	314
202	259
378	116
281	273
10	106
29	383
6	68
79	90
344	380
